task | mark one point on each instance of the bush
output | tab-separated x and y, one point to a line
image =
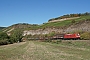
3	36
48	40
85	35
3	42
56	41
11	41
59	41
16	36
69	42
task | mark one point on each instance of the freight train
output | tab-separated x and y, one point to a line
57	36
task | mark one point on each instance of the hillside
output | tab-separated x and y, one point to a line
57	25
76	25
19	26
81	26
65	22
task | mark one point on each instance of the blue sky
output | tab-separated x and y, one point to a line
38	11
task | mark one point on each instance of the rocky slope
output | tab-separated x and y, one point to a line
76	27
80	26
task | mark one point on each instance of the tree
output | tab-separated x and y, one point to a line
3	36
16	36
86	13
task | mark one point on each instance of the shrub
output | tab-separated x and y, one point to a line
48	41
16	36
3	36
11	41
56	41
3	42
59	41
85	35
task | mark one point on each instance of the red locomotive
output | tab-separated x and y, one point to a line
66	36
72	36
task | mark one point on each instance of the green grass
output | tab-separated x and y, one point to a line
57	24
34	50
11	52
82	18
64	23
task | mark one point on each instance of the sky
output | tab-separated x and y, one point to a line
38	11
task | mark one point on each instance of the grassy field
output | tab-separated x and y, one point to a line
35	50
